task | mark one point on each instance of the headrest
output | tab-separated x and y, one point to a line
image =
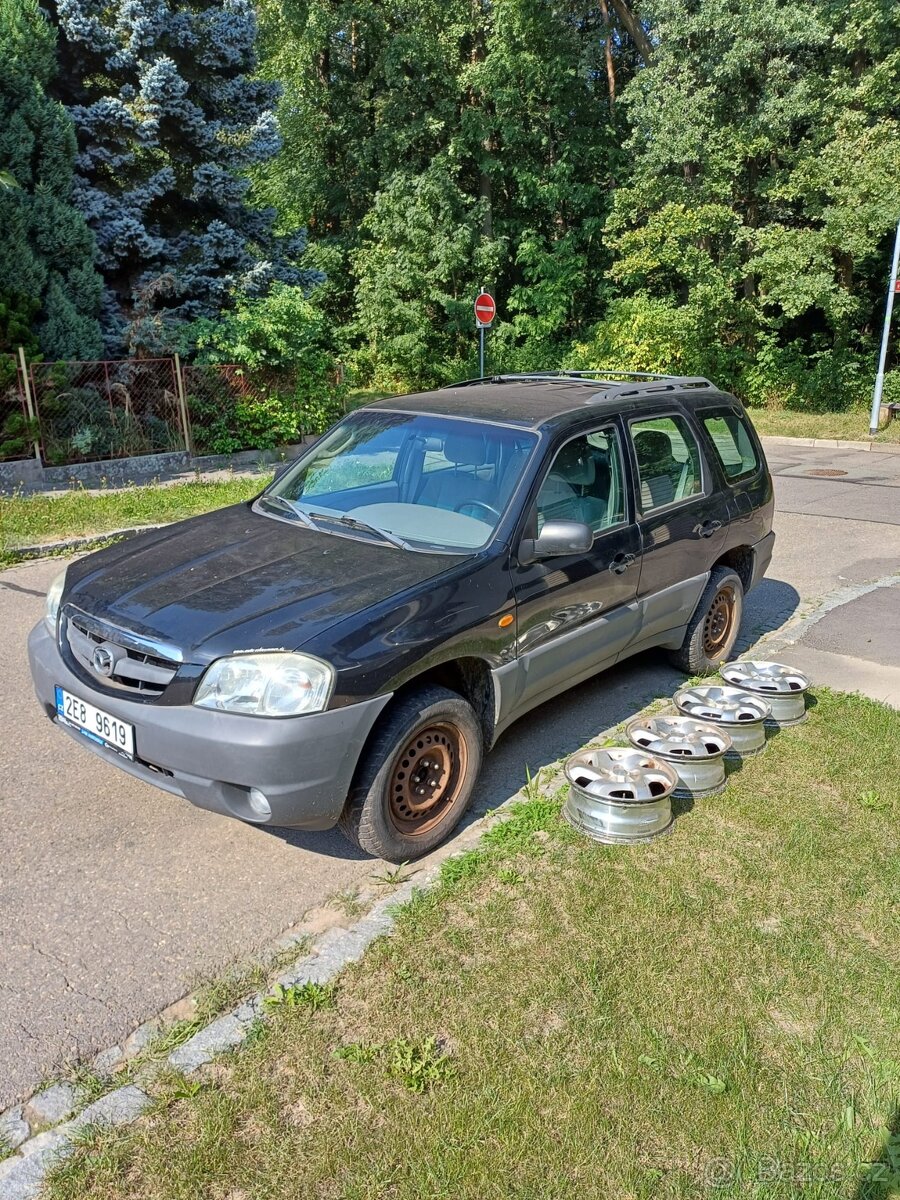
575	464
652	446
465	449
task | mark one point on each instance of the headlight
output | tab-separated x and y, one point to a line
266	685
54	596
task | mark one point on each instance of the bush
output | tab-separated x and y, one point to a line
289	383
644	333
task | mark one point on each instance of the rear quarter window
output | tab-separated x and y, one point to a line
732	442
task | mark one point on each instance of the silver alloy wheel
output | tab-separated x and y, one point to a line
619	795
741	714
694	749
783	687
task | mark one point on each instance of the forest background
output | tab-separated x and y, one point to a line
696	186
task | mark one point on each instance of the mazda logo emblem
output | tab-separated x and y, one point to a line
103	661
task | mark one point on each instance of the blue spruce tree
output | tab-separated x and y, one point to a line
170	122
49	287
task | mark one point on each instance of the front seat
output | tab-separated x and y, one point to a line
660	470
454	487
570	491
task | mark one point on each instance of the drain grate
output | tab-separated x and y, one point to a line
826	472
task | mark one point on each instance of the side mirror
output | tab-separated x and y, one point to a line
555	539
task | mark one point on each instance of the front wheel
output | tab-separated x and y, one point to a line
715	625
416	776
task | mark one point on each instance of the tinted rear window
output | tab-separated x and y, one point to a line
732	441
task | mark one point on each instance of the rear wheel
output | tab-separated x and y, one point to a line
416	777
715	625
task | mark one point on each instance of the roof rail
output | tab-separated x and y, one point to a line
614	382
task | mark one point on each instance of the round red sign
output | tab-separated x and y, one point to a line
485	309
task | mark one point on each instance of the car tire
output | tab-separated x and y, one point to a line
714	627
416	776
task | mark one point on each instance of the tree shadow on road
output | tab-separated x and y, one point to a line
767	608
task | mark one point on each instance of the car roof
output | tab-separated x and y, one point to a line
547	400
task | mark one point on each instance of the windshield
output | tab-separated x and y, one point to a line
414	481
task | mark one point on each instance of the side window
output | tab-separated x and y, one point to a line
732	442
668	460
585	483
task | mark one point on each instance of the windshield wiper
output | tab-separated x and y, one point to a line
363	527
285	504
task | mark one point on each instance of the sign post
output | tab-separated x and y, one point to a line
885	337
485	311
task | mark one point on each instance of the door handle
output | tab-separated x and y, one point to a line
708	528
621	563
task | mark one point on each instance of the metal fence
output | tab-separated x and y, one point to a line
100	410
71	412
17	432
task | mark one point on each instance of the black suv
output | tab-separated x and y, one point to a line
345	647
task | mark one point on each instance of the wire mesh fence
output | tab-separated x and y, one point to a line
100	410
17	433
90	411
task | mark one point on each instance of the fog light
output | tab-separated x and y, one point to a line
259	803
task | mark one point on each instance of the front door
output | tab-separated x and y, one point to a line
575	613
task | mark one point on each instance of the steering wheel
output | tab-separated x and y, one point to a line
478	504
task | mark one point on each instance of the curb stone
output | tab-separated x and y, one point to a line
71	545
829	443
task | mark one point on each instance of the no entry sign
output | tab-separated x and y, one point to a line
485	310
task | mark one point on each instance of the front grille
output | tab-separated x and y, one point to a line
117	659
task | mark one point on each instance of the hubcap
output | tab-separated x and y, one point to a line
719	623
426	778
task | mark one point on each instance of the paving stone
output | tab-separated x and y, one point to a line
221	1035
141	1038
50	1106
107	1061
120	1107
13	1128
24	1177
50	1139
249	1010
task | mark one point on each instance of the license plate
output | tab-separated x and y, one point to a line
94	723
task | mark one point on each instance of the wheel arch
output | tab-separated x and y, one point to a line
740	560
468	676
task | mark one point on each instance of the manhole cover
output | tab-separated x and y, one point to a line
826	472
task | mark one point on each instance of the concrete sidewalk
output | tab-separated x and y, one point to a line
853	646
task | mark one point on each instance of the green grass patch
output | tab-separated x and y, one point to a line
850	426
712	1014
33	520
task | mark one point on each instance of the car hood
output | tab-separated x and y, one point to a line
238	580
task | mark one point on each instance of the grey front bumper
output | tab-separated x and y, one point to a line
303	765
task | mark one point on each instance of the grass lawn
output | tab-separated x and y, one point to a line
29	520
843	426
715	1013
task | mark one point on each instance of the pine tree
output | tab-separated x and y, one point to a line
170	121
49	288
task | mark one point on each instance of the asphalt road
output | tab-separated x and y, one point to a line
115	898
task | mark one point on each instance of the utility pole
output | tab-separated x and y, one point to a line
885	337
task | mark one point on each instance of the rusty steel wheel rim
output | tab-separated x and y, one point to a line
426	778
718	625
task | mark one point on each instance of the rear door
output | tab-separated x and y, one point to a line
682	518
734	445
576	612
